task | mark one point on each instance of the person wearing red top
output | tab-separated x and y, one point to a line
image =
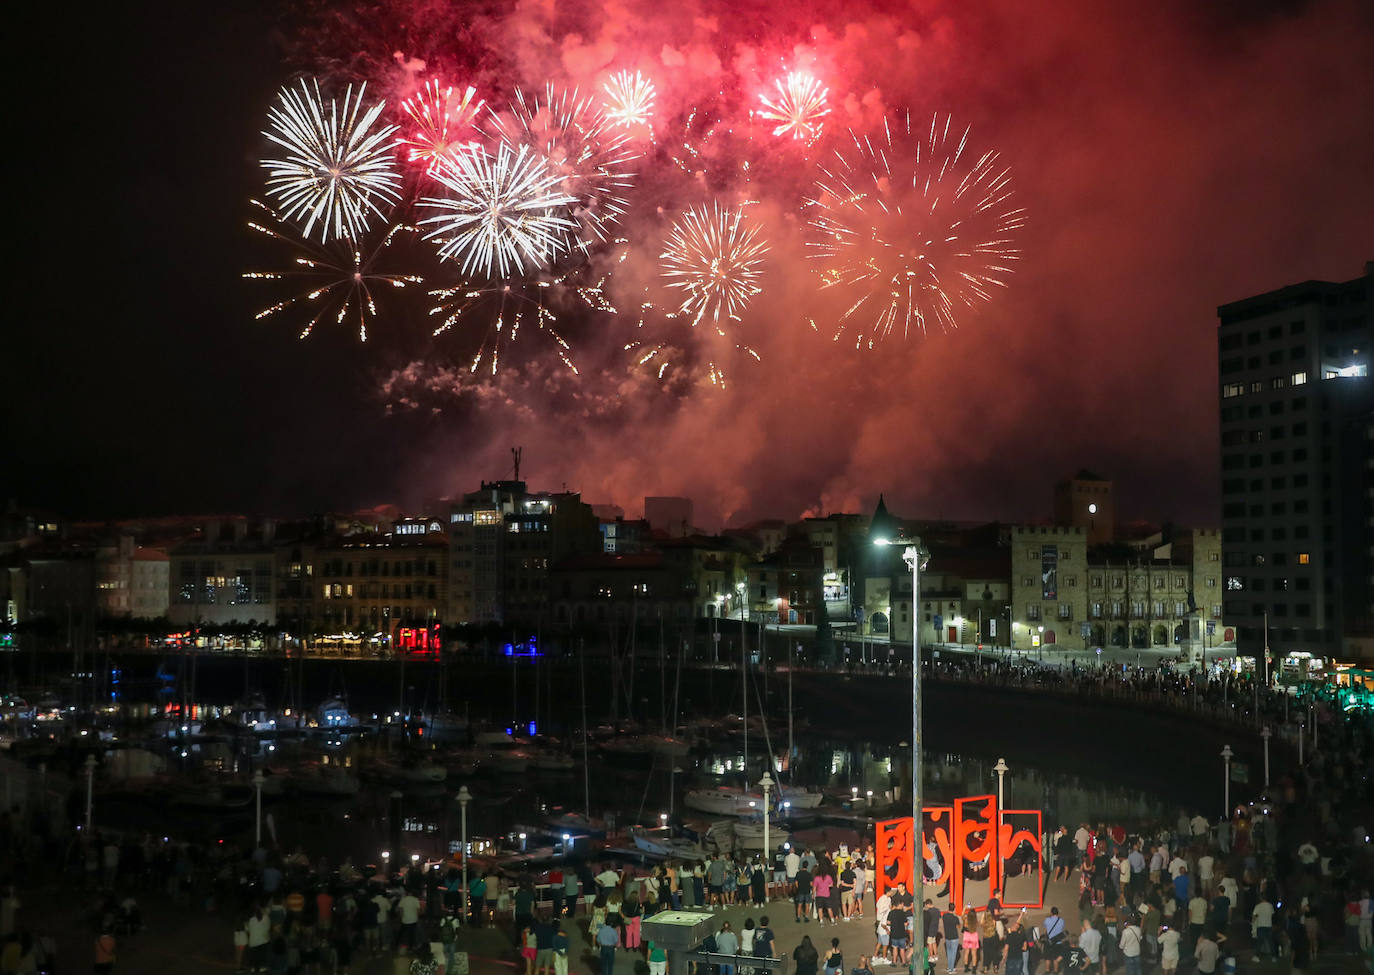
324	904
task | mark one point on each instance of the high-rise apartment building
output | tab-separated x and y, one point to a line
502	541
1296	484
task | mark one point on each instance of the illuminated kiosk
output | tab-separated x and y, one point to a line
963	842
677	932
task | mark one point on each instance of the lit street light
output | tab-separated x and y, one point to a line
766	783
915	558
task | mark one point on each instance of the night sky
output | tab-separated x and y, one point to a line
1171	156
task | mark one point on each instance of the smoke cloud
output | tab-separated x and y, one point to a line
1171	157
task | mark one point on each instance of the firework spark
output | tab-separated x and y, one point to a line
339	164
714	258
629	99
443	118
501	310
504	214
339	277
799	106
677	355
582	150
913	228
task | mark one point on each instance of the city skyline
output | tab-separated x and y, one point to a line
1230	164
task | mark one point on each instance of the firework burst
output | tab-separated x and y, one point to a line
580	147
798	106
504	213
339	168
714	260
339	278
629	99
912	228
442	118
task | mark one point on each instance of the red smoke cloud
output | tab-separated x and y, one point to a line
1171	156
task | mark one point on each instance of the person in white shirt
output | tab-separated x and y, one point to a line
1199	825
1080	839
1091	943
1176	866
1204	874
1366	921
791	864
1168	949
408	911
882	946
1129	940
1262	928
1231	889
1206	954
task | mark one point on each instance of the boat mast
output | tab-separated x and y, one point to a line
791	775
586	768
744	690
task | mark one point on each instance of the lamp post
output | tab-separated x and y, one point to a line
1265	735
766	784
464	797
90	781
257	809
1226	754
1001	769
915	558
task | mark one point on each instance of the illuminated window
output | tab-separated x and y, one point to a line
1232	389
1304	558
1299	378
488	517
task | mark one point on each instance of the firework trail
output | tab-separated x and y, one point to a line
799	106
629	99
504	215
713	258
677	355
579	145
443	120
338	278
338	163
912	228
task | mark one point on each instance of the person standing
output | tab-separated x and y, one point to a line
951	929
105	947
847	881
791	865
882	945
1090	940
989	942
805	957
607	938
1168	949
802	894
561	944
1262	928
658	960
834	958
1130	942
1012	950
860	886
764	939
1207	952
727	943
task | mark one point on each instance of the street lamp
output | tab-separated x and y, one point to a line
915	558
1001	768
1265	735
464	797
766	784
1226	754
257	800
90	780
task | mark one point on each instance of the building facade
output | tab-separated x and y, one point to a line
1296	483
503	540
